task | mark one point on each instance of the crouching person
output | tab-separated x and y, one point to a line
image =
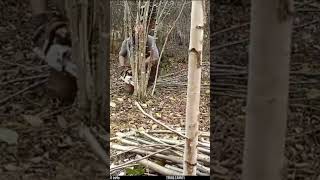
152	57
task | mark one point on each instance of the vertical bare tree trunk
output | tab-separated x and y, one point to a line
74	19
157	20
103	64
193	90
138	55
268	82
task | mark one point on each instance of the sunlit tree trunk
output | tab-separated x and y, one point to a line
193	90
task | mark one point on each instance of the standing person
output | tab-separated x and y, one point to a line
152	55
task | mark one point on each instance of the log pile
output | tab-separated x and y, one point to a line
161	151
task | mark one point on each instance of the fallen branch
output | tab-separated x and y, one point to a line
37	68
306	24
204	141
121	135
171	158
152	138
204	134
229	44
47	115
227	66
205	150
202	168
301	4
158	141
178	142
85	133
158	122
230	28
24	79
174	168
204	144
23	90
140	147
174	73
174	159
305	106
308	10
304	73
229	95
148	174
159	169
199	173
140	140
124	141
294	136
136	160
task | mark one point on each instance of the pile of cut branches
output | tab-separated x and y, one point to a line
162	151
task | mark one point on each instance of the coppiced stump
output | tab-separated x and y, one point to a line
268	84
140	70
193	90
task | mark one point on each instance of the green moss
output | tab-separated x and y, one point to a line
136	171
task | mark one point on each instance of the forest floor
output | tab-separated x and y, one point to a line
42	139
168	103
48	145
230	25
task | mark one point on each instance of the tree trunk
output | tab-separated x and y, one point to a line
88	22
193	90
268	82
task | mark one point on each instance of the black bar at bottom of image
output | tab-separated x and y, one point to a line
160	177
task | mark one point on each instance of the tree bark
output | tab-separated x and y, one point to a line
268	82
103	83
89	30
193	90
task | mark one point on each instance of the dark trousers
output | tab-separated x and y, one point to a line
152	76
